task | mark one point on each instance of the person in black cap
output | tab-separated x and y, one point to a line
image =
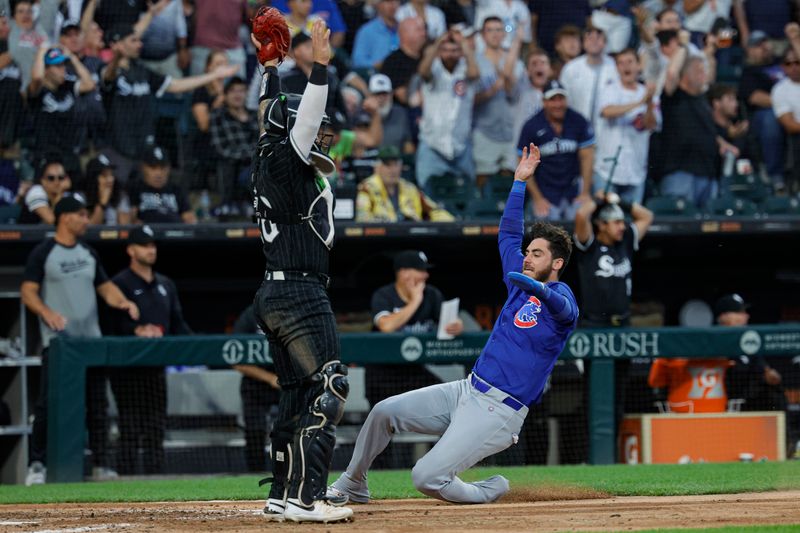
107	202
386	197
408	305
52	98
62	279
153	198
140	392
129	91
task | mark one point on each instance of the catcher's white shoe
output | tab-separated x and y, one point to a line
274	510
320	511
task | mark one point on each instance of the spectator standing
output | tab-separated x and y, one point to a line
449	73
493	121
62	279
701	15
459	12
296	79
377	38
106	200
129	92
165	48
690	141
537	73
233	131
768	16
566	143
141	392
40	199
355	13
760	74
53	100
153	198
298	16
606	244
386	197
435	25
327	10
401	65
786	101
514	16
629	114
614	18
27	35
110	14
588	76
567	44
259	390
548	16
395	120
205	100
409	305
217	24
11	104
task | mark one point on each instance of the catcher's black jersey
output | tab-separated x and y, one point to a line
284	185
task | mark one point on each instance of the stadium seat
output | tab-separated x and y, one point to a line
9	213
485	209
454	191
409	168
781	205
731	207
749	187
671	206
497	187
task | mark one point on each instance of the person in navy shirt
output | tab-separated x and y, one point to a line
483	414
566	142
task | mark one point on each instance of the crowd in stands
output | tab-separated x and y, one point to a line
147	109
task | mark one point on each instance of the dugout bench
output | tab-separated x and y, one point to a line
69	359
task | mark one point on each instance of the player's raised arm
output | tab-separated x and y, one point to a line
271	39
312	105
512	223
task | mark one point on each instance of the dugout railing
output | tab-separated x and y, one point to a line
69	359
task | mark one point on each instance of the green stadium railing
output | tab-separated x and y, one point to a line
70	357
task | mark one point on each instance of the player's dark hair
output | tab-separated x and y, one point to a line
491	19
558	238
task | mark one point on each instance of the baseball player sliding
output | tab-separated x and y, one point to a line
482	414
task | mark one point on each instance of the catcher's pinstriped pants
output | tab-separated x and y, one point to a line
472	425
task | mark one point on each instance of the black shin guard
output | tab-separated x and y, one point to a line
316	435
281	450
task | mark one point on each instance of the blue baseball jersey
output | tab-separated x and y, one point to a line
560	169
526	339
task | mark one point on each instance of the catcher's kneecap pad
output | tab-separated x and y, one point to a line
270	29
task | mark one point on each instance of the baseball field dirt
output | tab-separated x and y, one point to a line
536	510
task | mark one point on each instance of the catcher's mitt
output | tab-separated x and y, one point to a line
270	29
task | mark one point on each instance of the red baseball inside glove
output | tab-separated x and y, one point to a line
270	29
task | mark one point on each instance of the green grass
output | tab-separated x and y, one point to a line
620	480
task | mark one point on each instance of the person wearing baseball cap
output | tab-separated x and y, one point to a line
52	100
387	197
605	244
153	198
566	141
63	278
105	197
143	417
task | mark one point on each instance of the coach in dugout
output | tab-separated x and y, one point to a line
141	392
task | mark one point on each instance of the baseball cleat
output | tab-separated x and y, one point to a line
336	498
320	511
346	487
274	510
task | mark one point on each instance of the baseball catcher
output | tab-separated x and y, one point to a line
293	207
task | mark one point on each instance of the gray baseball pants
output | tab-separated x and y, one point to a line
472	425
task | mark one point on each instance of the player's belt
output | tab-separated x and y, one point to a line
294	275
485	388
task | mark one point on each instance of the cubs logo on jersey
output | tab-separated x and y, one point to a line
526	316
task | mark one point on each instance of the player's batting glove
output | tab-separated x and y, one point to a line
528	284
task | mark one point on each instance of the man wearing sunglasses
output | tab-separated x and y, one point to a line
54	183
786	99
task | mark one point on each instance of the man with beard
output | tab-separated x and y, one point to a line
396	124
483	414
